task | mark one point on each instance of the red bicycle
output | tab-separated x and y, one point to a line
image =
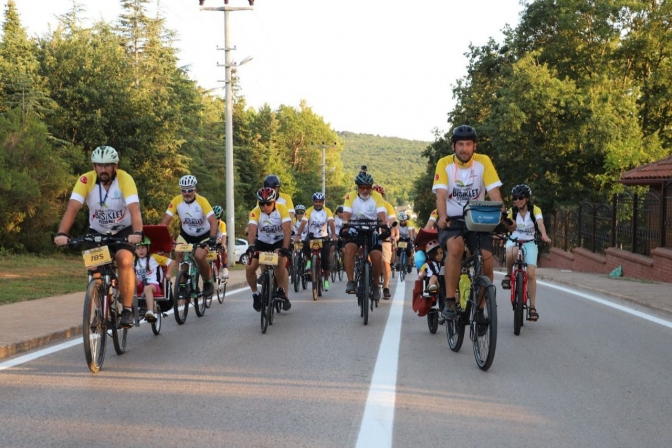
519	293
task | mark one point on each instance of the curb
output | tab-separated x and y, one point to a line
17	348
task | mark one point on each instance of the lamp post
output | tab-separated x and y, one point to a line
324	164
228	64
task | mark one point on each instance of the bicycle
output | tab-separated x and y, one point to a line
298	268
316	272
336	264
519	293
216	260
480	217
102	301
403	260
270	302
363	270
188	284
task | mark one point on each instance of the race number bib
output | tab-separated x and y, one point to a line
268	258
97	256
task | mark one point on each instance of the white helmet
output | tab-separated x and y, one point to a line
188	181
105	154
402	216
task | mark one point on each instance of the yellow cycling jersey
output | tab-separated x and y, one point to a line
525	224
316	221
269	226
364	209
108	208
193	216
221	228
389	210
464	181
286	200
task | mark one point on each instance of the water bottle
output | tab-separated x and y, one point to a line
465	286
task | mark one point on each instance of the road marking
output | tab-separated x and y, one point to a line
616	306
65	345
378	420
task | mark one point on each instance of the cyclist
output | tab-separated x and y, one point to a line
148	275
338	225
363	203
407	235
529	222
270	229
273	181
300	213
117	213
221	238
460	177
197	225
317	219
387	244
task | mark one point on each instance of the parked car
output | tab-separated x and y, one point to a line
241	251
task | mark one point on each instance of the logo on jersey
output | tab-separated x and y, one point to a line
83	180
347	196
436	176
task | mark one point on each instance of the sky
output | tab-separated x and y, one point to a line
371	66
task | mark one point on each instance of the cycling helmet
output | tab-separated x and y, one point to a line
188	181
300	208
318	196
364	178
104	154
403	216
145	242
379	189
266	194
272	181
521	190
339	209
219	211
464	132
431	246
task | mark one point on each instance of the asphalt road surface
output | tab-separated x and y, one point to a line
586	374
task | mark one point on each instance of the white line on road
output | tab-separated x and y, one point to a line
65	345
378	420
625	309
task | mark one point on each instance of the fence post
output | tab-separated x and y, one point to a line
663	214
614	204
634	223
594	228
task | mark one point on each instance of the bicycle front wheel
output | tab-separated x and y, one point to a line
518	305
156	326
94	328
402	269
181	298
433	321
295	272
119	334
367	290
265	301
313	276
484	322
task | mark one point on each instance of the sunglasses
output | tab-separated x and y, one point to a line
187	190
364	187
519	198
261	204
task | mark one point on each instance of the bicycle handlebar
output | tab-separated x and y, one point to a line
93	240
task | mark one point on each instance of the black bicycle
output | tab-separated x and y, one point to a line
478	308
188	284
366	232
270	301
102	302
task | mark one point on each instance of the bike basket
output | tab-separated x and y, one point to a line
483	216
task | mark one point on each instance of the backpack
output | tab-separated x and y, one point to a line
514	211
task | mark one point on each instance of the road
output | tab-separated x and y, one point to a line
584	375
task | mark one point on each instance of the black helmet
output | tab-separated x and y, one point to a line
339	209
464	132
272	181
521	190
364	178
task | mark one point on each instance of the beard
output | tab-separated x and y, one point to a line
364	197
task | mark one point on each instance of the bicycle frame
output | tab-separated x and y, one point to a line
519	267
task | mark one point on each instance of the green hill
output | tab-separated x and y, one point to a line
393	162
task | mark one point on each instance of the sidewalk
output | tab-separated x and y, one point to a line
28	325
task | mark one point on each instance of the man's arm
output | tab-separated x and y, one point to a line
136	222
287	233
251	233
213	226
69	216
166	219
441	196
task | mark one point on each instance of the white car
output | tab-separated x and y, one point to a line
241	251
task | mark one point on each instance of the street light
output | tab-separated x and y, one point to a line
324	164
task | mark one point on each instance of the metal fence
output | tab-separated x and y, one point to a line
632	222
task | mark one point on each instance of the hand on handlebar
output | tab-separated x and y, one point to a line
61	240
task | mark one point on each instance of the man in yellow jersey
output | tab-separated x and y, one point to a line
386	245
197	225
460	177
270	230
221	238
363	203
273	181
114	206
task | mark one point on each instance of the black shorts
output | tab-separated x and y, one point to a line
190	239
374	243
455	230
260	246
123	233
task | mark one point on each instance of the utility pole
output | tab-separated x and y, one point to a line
324	164
230	206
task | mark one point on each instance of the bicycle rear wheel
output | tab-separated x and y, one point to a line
433	321
156	326
199	300
295	272
484	327
94	329
367	291
333	266
304	277
214	274
119	334
340	266
518	306
181	298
